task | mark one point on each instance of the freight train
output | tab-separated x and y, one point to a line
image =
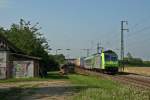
106	61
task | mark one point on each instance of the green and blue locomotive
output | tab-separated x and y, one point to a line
107	61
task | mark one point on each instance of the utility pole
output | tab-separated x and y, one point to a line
122	41
87	51
98	48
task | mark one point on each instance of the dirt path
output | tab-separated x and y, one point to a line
59	90
42	90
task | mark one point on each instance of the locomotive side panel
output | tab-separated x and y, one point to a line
97	61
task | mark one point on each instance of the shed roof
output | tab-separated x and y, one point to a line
16	51
10	45
26	56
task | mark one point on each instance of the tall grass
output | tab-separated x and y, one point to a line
95	88
85	87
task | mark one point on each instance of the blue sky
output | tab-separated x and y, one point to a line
79	24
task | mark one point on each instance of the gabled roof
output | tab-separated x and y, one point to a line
14	50
10	45
25	56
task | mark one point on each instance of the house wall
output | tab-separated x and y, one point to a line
36	68
13	65
9	71
23	69
3	64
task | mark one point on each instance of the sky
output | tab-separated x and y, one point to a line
81	24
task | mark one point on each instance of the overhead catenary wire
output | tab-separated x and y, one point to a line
136	42
134	34
138	31
139	23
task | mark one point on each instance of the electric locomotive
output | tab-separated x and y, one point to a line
106	61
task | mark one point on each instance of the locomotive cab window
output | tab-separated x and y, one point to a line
107	57
114	58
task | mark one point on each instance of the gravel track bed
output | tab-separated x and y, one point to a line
140	81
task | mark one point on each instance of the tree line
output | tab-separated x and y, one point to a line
129	60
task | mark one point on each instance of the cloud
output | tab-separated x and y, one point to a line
4	3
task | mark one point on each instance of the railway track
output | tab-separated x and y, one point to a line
130	79
142	83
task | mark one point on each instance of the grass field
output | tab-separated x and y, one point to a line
84	88
138	70
51	76
95	88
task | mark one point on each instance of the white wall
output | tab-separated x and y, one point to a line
23	68
3	65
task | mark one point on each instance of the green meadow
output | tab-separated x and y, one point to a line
83	87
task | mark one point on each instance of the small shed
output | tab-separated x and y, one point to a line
15	63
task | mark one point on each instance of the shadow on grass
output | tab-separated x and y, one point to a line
56	75
19	93
12	93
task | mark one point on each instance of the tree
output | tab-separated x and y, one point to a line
28	38
129	56
60	58
54	64
130	60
